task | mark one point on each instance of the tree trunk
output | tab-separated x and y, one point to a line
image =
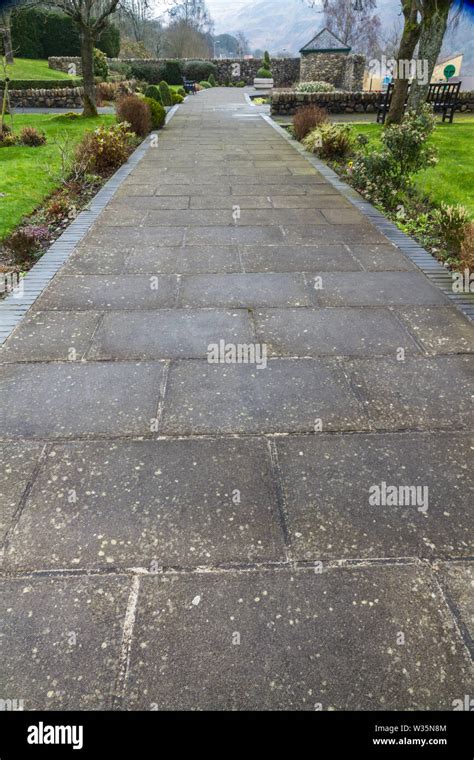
410	37
432	32
6	31
87	59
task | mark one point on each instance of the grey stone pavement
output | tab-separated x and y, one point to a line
178	534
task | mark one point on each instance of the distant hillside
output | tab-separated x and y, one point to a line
280	25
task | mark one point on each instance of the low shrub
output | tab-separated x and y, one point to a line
176	98
264	74
25	242
181	91
152	91
106	91
452	222
315	87
212	80
7	138
124	69
157	113
329	141
69	116
205	84
165	94
306	119
199	70
105	148
32	137
101	67
136	113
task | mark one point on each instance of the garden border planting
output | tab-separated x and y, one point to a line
436	273
16	305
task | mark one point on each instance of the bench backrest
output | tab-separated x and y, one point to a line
443	93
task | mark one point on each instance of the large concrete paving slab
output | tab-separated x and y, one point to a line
18	463
296	640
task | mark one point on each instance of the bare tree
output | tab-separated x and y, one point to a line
91	17
137	13
354	22
180	40
192	13
242	44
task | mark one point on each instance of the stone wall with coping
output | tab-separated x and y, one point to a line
287	102
66	97
346	72
286	71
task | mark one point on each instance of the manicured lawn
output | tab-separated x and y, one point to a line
28	175
452	179
31	68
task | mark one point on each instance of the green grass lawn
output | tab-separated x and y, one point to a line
452	179
28	175
31	68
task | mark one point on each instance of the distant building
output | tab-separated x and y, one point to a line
326	58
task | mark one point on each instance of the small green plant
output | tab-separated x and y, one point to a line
264	74
315	87
101	67
158	113
205	84
212	80
165	94
330	141
452	222
152	91
176	97
69	116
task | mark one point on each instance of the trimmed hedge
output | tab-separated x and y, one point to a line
199	70
172	72
157	113
38	33
42	84
152	91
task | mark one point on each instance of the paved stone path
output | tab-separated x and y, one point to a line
182	534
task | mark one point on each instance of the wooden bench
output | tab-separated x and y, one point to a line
443	97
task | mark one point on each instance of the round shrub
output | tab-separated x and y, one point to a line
165	94
152	91
330	140
101	67
157	113
136	113
181	91
264	74
176	98
315	87
199	70
32	137
205	84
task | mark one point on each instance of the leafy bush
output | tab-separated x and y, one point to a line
306	119
386	175
152	91
176	98
119	67
264	74
181	91
157	113
172	72
101	67
32	137
199	70
146	71
165	94
24	243
212	80
205	84
7	140
329	140
452	222
315	87
106	148
136	113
